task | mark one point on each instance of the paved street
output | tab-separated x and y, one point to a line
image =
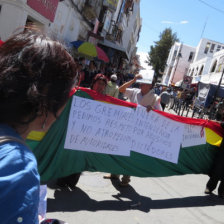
184	113
170	200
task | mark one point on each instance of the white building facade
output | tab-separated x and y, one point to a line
124	30
204	66
131	30
203	63
178	62
66	22
14	15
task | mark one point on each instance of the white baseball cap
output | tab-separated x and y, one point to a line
144	81
113	77
147	77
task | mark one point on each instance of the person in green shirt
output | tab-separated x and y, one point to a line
112	88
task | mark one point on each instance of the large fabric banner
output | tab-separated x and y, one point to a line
117	130
178	146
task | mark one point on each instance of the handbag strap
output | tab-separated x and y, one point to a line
8	138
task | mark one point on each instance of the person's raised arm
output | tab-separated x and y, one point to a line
129	83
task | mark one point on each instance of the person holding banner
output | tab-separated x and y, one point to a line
36	77
217	172
144	97
99	84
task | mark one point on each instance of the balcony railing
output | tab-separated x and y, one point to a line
116	34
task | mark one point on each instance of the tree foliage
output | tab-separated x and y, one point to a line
159	53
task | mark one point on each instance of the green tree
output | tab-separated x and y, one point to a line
159	53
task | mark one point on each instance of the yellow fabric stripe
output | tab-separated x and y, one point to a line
212	138
36	135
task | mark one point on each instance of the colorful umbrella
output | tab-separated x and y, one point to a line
1	42
90	50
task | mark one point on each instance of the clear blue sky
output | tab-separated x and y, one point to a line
185	17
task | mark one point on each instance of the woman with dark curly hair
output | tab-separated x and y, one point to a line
36	76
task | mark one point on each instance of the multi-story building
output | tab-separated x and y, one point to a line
66	20
203	63
203	67
123	32
215	69
114	25
178	62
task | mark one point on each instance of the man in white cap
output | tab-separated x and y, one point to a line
144	97
112	87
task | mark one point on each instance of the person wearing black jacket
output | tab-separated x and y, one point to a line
217	172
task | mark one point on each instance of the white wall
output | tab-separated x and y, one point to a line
116	13
201	48
207	62
13	17
68	23
129	34
66	26
177	65
192	71
184	62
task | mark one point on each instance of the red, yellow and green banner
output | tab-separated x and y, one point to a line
54	161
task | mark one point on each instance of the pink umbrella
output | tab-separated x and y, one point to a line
90	50
1	42
101	55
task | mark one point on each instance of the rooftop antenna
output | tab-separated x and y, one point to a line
202	33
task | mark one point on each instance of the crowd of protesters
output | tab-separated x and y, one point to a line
89	69
176	98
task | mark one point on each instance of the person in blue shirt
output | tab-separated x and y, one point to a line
36	76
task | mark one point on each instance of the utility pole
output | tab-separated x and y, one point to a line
202	33
217	89
216	92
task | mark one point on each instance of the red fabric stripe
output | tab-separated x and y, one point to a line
1	42
109	99
72	92
193	121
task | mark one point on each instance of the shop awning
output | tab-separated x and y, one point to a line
114	46
212	78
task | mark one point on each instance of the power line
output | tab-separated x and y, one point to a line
150	27
211	6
